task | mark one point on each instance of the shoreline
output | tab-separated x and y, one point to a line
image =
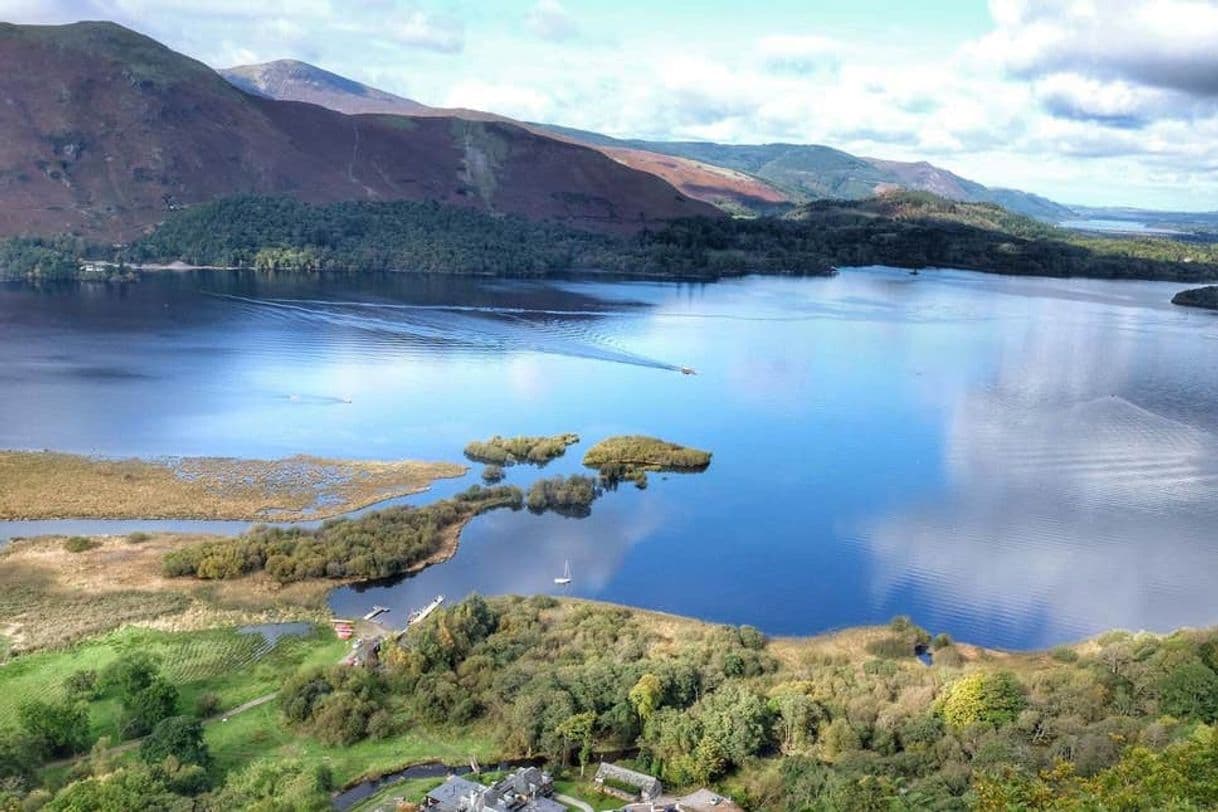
257	598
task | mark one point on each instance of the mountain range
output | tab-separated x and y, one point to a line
733	177
106	130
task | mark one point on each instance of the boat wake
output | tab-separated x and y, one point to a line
495	329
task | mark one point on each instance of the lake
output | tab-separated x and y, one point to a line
1016	461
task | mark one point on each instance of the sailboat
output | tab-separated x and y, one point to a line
566	575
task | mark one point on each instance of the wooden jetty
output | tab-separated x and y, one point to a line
376	612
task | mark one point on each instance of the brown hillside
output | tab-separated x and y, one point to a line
290	80
104	130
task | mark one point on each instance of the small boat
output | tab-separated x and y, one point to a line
688	371
566	575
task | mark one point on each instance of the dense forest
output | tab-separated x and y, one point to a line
905	229
786	727
849	721
1121	723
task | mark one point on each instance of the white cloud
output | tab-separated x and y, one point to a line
518	101
1170	44
550	20
421	30
799	53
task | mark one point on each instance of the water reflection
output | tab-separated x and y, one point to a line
519	553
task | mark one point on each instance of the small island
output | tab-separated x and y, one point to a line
567	496
502	451
1206	297
630	457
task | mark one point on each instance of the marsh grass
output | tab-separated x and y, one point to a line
50	597
44	485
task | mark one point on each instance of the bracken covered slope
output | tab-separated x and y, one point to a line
291	80
104	130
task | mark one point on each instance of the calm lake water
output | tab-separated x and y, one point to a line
1018	462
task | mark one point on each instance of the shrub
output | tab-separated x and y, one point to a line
646	453
207	704
80	544
1064	654
569	496
82	684
511	450
137	537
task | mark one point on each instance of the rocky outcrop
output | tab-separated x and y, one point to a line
1206	297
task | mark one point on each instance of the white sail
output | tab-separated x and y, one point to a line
566	575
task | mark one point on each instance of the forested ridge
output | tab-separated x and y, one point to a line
906	229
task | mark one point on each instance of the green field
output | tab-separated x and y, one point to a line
236	667
261	734
412	790
584	790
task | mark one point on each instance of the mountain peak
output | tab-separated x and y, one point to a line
293	80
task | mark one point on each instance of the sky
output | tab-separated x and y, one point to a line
1089	102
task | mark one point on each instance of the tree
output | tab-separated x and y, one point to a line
1190	691
738	719
57	728
143	710
277	786
178	736
989	699
797	715
17	761
710	759
578	728
342	719
133	789
645	696
128	675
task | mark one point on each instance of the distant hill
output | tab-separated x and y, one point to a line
290	80
106	130
758	178
815	172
